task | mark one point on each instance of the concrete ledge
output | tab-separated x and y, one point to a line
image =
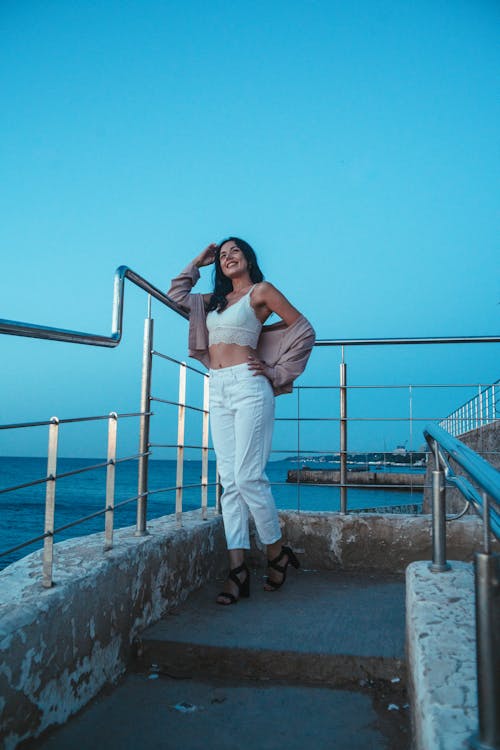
370	541
441	655
60	646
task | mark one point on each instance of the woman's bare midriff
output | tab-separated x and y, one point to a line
229	355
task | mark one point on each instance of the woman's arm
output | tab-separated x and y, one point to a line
180	289
207	256
266	299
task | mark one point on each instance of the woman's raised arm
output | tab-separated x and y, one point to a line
180	288
207	256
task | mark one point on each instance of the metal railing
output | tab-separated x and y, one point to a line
146	447
145	414
345	457
16	328
343	388
53	477
478	411
481	490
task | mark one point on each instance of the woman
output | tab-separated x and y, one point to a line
248	365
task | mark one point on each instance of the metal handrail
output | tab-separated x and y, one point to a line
392	386
476	467
83	519
405	341
16	328
72	420
486	502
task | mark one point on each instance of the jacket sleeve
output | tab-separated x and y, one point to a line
292	359
180	288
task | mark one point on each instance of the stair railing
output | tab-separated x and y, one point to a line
481	490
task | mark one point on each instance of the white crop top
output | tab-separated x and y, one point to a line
237	324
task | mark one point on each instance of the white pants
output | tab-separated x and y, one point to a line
241	419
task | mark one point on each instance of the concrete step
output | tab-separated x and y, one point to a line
327	628
168	714
318	664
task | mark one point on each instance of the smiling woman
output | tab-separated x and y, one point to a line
246	372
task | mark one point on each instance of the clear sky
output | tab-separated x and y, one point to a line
353	144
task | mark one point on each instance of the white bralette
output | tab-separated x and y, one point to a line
237	324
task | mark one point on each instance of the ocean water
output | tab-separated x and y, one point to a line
22	512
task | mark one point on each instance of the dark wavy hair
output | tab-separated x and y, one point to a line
223	285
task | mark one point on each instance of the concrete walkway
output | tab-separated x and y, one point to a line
319	664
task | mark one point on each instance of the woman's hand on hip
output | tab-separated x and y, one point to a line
255	364
207	256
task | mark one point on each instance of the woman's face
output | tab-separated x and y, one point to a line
232	260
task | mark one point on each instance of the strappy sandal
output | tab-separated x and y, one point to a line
243	586
275	565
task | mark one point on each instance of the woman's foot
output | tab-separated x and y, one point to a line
237	585
277	568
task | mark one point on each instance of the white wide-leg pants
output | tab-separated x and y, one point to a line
241	420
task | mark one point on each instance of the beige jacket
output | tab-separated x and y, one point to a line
284	349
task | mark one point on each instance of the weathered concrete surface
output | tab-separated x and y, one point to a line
441	655
285	641
325	627
141	714
364	541
486	442
58	647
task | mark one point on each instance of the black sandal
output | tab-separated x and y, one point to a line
292	560
243	586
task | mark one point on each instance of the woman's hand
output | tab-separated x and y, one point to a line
207	256
258	367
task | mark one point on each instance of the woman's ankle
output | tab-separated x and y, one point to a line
274	549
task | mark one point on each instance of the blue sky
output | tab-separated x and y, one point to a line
354	145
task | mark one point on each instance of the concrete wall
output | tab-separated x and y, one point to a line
486	442
60	646
384	542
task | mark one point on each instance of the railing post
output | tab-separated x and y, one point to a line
50	502
343	435
142	484
439	564
110	482
204	449
487	585
180	442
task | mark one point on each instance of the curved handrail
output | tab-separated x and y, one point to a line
485	475
16	328
31	330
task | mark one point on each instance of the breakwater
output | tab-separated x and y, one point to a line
372	479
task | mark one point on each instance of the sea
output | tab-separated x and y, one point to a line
22	511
